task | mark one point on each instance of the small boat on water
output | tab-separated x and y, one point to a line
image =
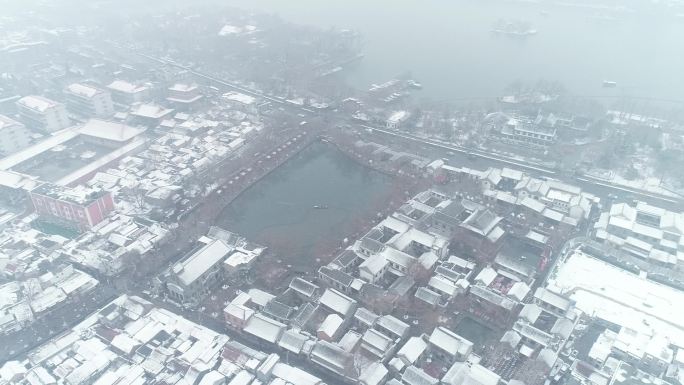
609	84
320	207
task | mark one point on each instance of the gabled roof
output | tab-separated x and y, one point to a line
371	245
530	312
450	342
278	310
412	350
510	173
303	287
365	316
482	221
37	103
416	376
125	87
376	342
346	258
393	324
486	276
490	296
332	357
465	373
443	285
519	291
337	302
373	374
547	296
512	338
402	285
374	264
336	275
201	261
514	263
292	341
84	90
395	225
398	257
151	111
330	325
260	297
113	131
451	213
238	311
264	328
533	204
428	296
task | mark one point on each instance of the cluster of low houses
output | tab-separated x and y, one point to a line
331	321
543	326
114	205
35	296
130	341
185	143
332	331
645	231
160	176
539	199
104	248
133	341
42	272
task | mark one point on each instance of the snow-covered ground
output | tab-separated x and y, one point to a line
620	297
649	184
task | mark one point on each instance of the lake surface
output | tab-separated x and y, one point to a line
278	211
448	44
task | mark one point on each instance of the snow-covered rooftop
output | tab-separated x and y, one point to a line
621	297
37	103
125	87
83	90
337	302
114	131
201	261
151	111
182	87
240	98
7	122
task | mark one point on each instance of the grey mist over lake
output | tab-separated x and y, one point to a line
279	209
449	46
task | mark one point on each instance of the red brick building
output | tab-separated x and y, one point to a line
78	208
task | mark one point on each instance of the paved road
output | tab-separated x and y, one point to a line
460	156
457	155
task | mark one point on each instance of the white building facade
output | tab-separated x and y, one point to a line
89	101
14	136
42	113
